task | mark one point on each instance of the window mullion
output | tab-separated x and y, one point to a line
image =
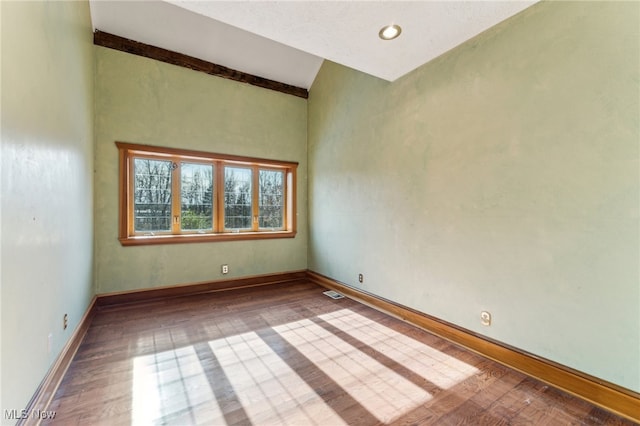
218	186
130	197
175	197
285	199
255	191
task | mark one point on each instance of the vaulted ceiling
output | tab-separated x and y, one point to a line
287	41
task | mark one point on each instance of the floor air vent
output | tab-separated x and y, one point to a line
333	294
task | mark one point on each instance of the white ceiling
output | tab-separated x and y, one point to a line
286	41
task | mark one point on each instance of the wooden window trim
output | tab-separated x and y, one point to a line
129	151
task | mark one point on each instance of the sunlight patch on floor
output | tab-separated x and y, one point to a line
384	393
270	391
387	373
171	387
437	367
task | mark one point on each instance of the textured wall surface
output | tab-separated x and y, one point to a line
139	100
47	186
502	176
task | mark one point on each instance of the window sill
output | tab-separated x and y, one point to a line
203	238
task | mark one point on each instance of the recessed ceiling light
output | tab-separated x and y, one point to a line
390	32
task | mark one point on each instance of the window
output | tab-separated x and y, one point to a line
176	196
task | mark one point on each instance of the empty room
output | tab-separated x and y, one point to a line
362	213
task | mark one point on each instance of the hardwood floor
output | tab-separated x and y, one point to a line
287	354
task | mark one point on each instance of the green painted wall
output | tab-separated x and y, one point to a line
502	176
143	101
47	186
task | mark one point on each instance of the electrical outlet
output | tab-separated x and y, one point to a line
225	269
360	278
485	318
65	321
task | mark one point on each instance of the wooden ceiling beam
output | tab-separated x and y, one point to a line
112	41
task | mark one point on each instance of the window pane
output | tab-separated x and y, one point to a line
237	198
196	191
152	195
271	199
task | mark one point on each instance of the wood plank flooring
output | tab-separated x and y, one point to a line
287	354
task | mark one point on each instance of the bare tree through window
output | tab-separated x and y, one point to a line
152	197
196	193
238	205
271	198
